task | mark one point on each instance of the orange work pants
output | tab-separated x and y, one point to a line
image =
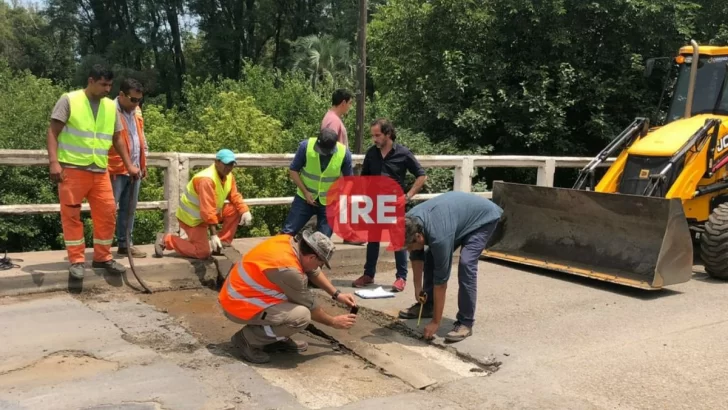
76	186
197	244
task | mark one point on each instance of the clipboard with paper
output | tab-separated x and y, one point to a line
378	293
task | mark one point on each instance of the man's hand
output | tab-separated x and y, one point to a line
56	172
430	330
215	243
309	198
343	321
134	172
246	219
420	296
346	298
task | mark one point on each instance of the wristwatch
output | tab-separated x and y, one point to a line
336	294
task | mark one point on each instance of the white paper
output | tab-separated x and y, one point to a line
377	293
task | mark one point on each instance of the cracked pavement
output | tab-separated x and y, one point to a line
553	342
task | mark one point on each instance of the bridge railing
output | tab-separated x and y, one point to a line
179	167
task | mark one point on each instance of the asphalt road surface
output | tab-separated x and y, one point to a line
542	341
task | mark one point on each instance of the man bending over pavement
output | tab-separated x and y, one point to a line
444	223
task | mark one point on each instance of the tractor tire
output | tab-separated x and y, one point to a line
714	243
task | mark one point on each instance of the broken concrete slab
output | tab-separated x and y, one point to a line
58	352
340	378
411	360
25	328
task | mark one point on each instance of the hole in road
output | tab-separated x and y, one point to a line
368	361
55	368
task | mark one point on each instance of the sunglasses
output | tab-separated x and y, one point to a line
134	99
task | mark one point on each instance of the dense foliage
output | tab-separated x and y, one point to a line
553	77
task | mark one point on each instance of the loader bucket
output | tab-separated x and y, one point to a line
638	241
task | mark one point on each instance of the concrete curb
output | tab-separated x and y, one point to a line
48	271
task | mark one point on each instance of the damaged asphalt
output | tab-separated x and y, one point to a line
542	341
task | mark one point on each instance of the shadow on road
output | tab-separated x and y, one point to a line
592	283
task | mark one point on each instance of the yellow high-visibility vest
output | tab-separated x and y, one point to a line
189	204
316	181
85	140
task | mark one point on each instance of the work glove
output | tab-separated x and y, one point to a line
215	244
246	219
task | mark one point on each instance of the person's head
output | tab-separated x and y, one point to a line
383	133
326	142
100	80
414	234
130	94
341	101
316	250
224	162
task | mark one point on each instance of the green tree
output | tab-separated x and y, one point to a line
551	77
324	59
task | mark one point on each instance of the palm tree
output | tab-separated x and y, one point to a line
324	59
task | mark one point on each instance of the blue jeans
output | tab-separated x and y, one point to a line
370	267
301	212
471	247
122	190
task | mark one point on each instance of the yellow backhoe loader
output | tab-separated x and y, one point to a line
667	188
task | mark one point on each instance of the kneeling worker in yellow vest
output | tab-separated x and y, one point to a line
202	206
267	291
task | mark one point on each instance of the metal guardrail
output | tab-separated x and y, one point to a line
178	167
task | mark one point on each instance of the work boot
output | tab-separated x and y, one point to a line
111	266
76	270
135	253
159	245
249	353
458	333
287	345
413	312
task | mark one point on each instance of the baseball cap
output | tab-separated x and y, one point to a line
321	244
326	142
226	156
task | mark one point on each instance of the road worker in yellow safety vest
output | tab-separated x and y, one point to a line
84	125
267	290
318	163
202	206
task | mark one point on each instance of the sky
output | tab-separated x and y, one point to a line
188	22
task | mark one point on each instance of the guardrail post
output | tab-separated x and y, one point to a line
464	175
171	194
184	173
545	176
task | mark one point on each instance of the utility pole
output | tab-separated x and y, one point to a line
361	75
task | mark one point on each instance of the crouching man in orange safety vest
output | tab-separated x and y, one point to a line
268	291
202	206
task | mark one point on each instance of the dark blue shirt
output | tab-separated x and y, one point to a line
395	164
446	220
299	160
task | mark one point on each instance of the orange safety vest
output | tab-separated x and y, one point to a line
247	291
116	165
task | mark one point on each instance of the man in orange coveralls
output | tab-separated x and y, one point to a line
202	206
84	126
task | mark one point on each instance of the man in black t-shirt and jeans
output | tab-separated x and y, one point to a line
393	160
